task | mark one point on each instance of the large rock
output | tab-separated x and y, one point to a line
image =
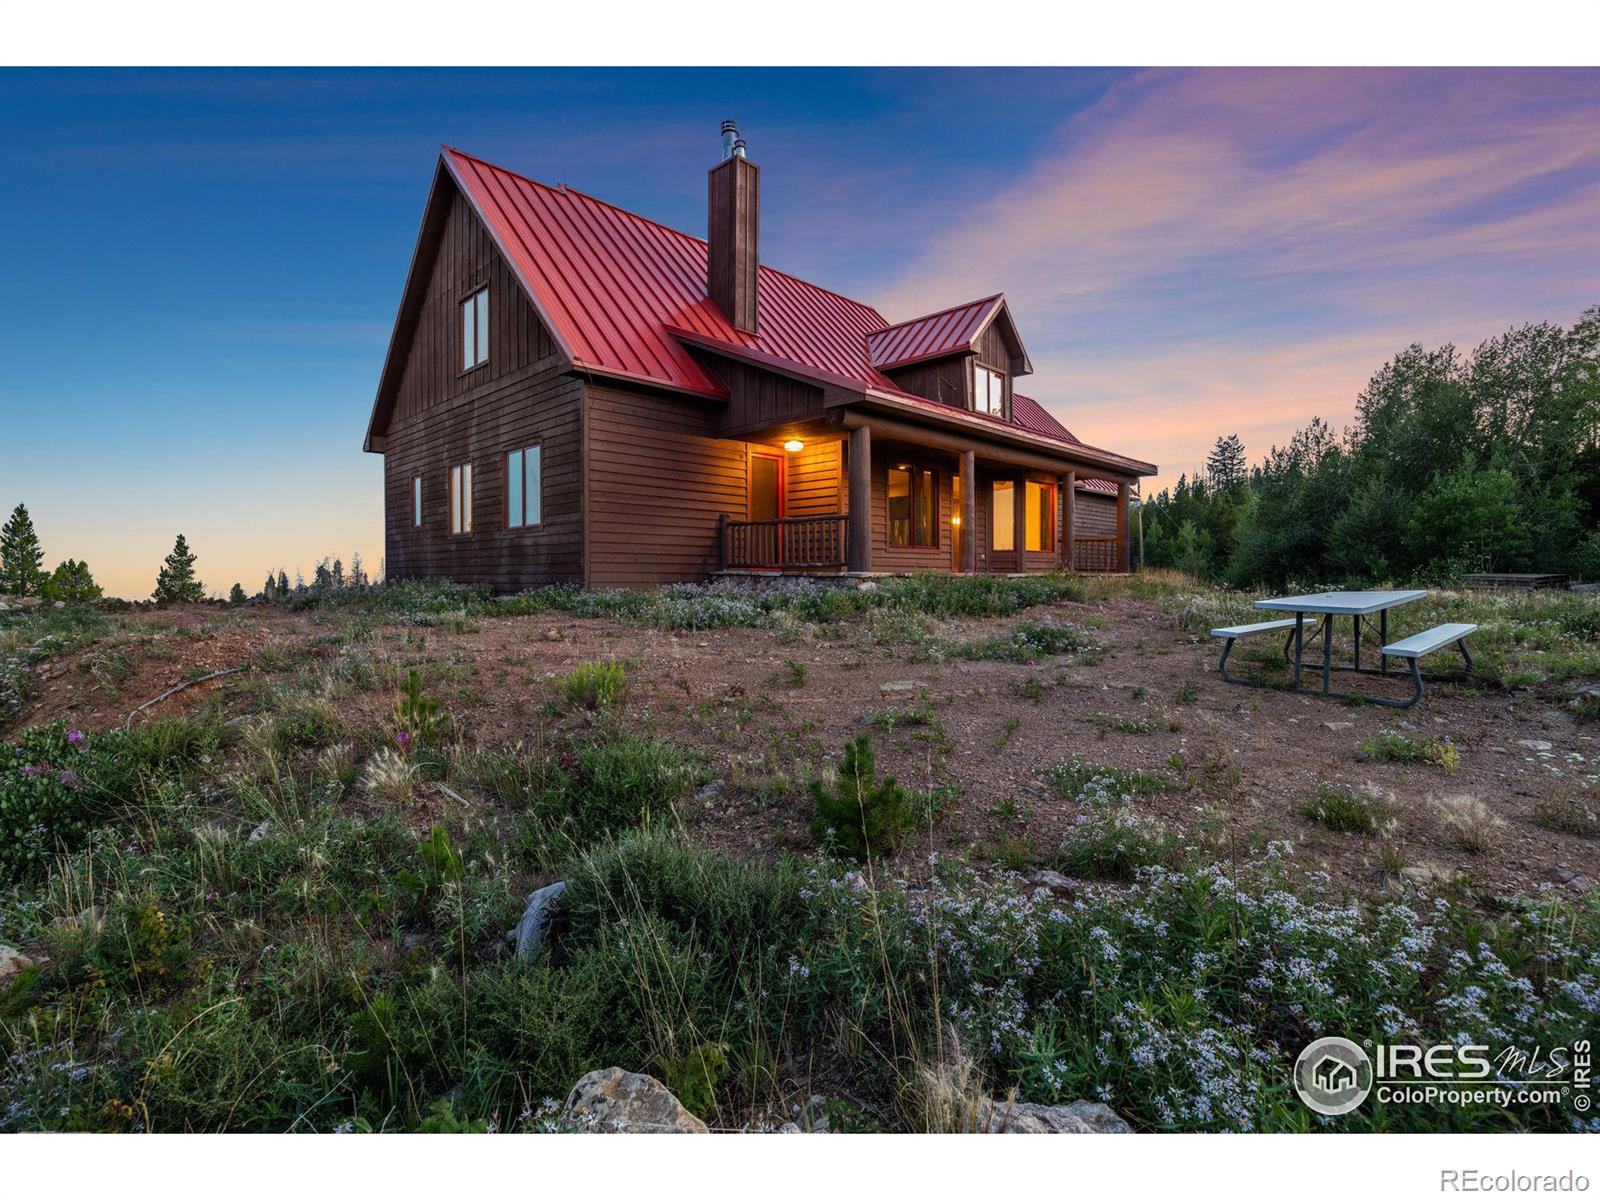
1079	1116
617	1101
535	923
12	963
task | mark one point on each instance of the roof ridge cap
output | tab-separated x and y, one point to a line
567	188
938	312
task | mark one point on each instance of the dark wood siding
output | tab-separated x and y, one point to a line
443	416
537	405
947	380
814	480
1096	515
760	399
467	259
658	480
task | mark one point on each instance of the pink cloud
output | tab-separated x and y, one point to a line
1207	251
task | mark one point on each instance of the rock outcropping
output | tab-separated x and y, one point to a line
616	1101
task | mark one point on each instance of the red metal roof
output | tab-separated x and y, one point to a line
932	336
626	296
1033	416
612	285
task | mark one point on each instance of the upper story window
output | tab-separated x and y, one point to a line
416	500
524	489
988	391
475	329
461	498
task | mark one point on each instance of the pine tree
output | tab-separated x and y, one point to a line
71	583
177	583
271	586
322	580
236	595
283	583
21	556
358	573
1225	466
338	573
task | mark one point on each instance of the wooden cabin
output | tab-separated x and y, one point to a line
576	394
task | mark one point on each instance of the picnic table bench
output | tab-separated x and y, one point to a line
1356	605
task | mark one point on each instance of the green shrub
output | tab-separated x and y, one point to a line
420	723
1027	641
1394	746
695	1075
46	806
860	815
626	780
594	685
1109	840
1071	778
1568	814
1343	810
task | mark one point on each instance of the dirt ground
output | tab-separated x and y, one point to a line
767	710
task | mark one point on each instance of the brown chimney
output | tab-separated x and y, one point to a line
733	216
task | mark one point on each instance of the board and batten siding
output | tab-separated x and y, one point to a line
444	416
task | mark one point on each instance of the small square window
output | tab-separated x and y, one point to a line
475	330
461	498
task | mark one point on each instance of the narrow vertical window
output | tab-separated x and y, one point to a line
461	498
899	506
1041	505
416	500
475	329
1003	517
927	502
523	507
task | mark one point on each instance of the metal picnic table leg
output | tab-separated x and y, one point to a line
1299	644
1327	653
1355	621
1383	640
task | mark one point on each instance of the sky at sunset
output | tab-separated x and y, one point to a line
202	267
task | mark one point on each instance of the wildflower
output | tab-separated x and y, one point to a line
402	739
69	780
76	738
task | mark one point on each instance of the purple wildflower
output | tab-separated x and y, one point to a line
403	740
77	738
69	779
33	769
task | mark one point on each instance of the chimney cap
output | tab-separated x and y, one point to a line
732	143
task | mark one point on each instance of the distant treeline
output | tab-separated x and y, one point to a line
1456	463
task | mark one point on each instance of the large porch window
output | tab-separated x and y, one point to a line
1003	518
1040	509
913	503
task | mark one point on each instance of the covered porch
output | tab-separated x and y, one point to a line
868	494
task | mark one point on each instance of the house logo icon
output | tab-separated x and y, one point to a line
1333	1076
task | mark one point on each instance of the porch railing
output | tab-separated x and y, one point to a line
788	543
1095	554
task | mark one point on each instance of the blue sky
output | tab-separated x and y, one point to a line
203	265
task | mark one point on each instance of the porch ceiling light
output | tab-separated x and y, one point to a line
794	445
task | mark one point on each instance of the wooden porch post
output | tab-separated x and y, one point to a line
1068	484
858	551
1123	560
1019	520
969	512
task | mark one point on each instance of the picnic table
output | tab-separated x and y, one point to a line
1324	607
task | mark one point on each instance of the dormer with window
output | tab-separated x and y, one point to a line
965	357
